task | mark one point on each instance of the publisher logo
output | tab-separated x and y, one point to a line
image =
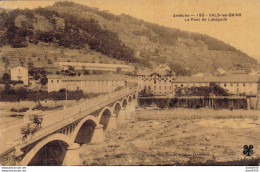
248	150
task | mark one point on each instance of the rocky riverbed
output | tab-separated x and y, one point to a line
179	137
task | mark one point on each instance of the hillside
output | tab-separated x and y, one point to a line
70	26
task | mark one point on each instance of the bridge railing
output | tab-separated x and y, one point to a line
57	120
83	106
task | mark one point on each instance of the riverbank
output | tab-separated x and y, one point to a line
180	137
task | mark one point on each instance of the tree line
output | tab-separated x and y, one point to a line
77	33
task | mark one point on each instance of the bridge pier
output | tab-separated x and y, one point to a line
133	105
121	116
98	135
72	156
130	110
112	123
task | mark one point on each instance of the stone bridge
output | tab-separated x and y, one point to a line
63	132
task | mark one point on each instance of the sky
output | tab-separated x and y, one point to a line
241	32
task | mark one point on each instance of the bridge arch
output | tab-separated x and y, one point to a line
104	116
129	99
124	103
53	148
134	96
116	108
85	129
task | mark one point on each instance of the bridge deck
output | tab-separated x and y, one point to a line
55	121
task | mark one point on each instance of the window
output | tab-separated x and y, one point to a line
57	81
165	81
77	88
175	85
244	85
165	87
154	81
231	84
51	81
181	85
225	84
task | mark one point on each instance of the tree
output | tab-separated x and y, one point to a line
42	72
50	61
31	72
71	68
7	87
86	72
44	81
3	59
118	70
6	78
36	99
30	65
21	93
37	76
6	63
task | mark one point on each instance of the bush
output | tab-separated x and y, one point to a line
119	88
45	108
19	110
202	91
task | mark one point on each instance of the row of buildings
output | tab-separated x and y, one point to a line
160	81
87	83
165	83
90	83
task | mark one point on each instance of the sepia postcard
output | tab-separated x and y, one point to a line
129	83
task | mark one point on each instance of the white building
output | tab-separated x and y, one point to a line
20	74
87	83
157	83
235	83
163	83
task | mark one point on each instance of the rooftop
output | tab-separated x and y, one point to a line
147	73
226	78
90	77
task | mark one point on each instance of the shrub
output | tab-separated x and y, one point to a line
45	108
19	110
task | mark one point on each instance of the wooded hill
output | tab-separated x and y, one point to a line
75	26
